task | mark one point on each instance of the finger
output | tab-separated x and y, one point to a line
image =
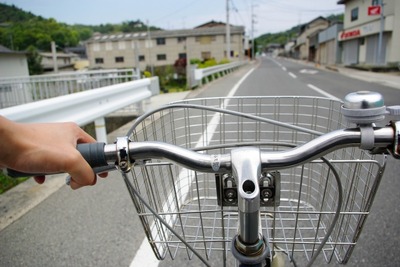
78	168
85	138
39	179
103	175
75	185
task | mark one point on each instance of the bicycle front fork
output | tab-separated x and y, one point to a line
249	247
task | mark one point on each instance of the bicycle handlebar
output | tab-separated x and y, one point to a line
383	138
103	157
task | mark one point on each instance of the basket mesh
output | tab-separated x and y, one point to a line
187	201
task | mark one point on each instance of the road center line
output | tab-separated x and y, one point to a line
322	92
145	255
292	75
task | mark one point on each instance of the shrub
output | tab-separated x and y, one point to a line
224	61
195	61
208	63
147	74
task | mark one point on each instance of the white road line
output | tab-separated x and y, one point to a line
292	75
322	92
284	68
145	255
276	62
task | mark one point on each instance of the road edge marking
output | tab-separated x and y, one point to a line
322	92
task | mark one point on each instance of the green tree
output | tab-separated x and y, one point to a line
34	61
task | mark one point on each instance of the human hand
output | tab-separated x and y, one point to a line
46	148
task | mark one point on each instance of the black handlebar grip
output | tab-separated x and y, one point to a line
93	153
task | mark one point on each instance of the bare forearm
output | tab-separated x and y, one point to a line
45	148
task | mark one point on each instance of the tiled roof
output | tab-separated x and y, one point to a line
165	34
5	50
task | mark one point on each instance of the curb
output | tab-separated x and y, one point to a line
17	201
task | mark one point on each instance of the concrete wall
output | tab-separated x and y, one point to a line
12	65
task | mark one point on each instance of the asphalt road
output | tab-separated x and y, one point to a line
98	226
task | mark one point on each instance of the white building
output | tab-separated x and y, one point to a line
360	36
12	63
124	50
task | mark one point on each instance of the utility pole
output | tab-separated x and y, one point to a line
54	54
380	60
228	32
252	31
137	62
149	47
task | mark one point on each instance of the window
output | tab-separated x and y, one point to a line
182	55
96	47
121	45
99	60
148	44
162	57
206	55
109	46
205	39
375	3
354	14
119	59
160	41
141	58
181	39
231	55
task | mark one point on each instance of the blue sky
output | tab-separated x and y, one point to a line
270	15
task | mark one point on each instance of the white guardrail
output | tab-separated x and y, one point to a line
85	107
206	73
22	90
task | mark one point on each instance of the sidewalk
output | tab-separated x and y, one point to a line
19	200
391	79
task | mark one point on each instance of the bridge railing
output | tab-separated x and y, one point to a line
85	107
215	71
21	90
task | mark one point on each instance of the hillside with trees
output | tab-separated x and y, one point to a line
285	36
20	29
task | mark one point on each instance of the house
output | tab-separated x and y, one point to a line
65	61
158	48
360	38
329	52
212	23
305	49
12	63
289	48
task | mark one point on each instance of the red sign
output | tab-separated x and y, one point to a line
374	10
350	34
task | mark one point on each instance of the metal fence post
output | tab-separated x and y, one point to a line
100	128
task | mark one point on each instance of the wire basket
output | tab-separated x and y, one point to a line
323	204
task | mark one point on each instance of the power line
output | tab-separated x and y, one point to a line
237	12
296	9
176	11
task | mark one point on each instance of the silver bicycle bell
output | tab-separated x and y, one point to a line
366	107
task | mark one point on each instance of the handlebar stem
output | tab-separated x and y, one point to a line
246	168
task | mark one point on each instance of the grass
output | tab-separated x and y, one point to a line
7	183
176	89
